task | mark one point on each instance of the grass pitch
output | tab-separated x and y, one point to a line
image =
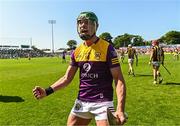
146	104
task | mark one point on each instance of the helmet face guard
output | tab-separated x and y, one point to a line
86	29
87	24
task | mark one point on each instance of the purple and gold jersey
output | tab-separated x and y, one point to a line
95	62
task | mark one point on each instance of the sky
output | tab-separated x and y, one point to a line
26	21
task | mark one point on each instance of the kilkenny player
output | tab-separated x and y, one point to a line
131	54
156	58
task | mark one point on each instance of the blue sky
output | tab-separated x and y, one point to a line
21	20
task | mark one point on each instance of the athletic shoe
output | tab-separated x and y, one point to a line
133	74
161	80
155	82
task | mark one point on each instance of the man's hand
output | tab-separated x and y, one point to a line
120	118
39	92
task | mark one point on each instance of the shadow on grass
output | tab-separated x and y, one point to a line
11	99
143	75
171	83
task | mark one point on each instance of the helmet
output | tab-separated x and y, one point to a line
155	42
129	45
91	17
88	15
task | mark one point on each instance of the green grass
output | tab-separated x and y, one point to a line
146	104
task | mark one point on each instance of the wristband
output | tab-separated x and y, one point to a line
49	91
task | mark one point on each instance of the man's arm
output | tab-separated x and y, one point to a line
162	56
120	92
66	79
40	92
151	56
136	55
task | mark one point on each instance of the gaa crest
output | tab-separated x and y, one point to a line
97	55
77	106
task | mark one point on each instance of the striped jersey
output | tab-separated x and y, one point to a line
131	52
94	63
157	53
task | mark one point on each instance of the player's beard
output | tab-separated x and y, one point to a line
86	37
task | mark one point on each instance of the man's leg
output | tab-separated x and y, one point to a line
129	71
155	74
102	123
177	56
132	69
75	120
159	76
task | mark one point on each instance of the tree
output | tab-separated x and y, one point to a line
137	40
126	39
122	40
106	36
171	37
72	44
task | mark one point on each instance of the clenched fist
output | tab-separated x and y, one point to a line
39	92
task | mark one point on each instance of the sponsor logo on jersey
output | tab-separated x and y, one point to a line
87	67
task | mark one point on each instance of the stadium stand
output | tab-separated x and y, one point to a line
24	51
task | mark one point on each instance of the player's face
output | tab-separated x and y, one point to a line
86	28
154	44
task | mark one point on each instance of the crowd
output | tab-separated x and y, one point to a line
20	53
147	49
24	53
